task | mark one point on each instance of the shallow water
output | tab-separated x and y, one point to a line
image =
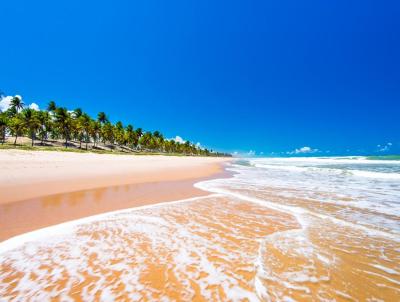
279	230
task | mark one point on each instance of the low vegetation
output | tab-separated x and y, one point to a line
60	128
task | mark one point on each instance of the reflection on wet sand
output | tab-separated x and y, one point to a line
28	215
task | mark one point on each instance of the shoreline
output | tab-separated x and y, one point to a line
67	226
43	189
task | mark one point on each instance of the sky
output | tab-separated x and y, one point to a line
254	77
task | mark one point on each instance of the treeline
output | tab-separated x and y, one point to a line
77	129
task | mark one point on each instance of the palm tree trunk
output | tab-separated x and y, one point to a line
15	141
32	139
66	142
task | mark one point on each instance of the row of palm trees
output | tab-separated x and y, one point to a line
78	128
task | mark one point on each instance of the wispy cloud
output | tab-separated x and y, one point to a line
303	150
384	147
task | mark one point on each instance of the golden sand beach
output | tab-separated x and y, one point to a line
232	239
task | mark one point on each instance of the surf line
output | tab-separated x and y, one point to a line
69	226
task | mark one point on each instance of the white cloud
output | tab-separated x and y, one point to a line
34	106
5	103
251	153
178	139
198	145
384	148
303	150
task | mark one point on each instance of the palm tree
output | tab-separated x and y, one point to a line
119	133
31	122
64	123
108	133
139	133
102	118
186	147
59	123
86	123
130	136
158	139
45	124
11	112
147	140
78	112
95	131
17	127
3	126
51	107
16	103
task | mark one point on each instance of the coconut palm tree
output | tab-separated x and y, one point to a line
86	123
107	133
31	122
11	112
17	127
130	136
158	140
147	141
78	113
45	124
119	133
102	118
95	131
16	103
63	121
139	133
3	126
51	107
58	122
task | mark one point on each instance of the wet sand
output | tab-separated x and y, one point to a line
206	249
39	189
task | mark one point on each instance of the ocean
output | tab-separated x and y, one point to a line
278	229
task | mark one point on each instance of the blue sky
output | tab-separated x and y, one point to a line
267	76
